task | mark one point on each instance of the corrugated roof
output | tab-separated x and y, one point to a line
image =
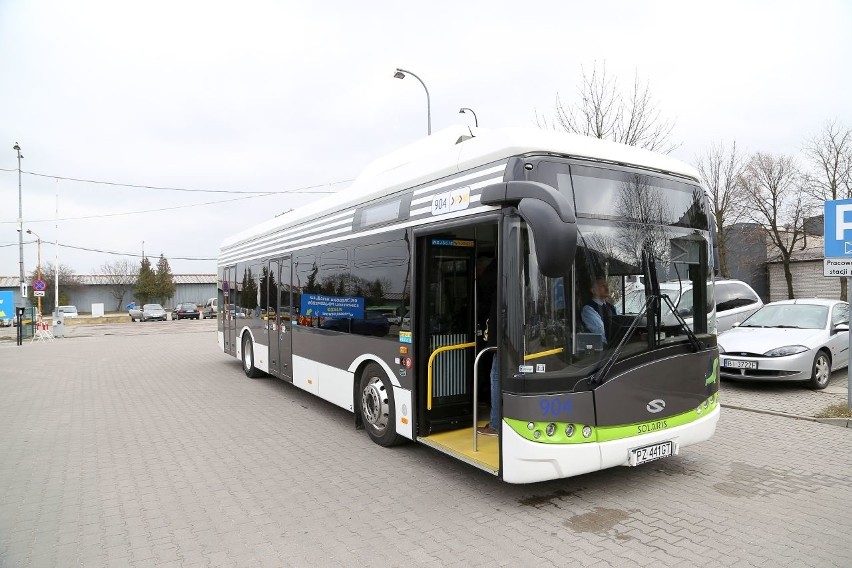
100	279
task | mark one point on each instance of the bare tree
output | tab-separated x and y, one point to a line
605	112
120	277
771	184
829	154
721	170
68	281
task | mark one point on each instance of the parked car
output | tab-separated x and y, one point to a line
186	310
735	301
210	309
6	322
69	311
790	340
153	312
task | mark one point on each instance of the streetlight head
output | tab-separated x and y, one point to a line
16	147
399	74
29	232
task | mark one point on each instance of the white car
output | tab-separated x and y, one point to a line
790	340
69	311
735	301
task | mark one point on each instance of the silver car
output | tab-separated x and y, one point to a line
790	340
153	312
734	302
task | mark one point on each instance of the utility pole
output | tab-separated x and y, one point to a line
23	289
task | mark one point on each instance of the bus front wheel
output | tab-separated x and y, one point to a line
377	406
250	370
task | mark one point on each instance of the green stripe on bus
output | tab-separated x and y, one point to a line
607	433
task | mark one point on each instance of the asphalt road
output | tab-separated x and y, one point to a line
143	445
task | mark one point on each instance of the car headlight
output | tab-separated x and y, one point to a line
721	349
786	350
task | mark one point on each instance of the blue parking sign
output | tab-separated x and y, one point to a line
838	228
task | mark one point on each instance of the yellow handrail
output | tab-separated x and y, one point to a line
432	359
543	353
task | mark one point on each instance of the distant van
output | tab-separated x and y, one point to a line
210	309
69	311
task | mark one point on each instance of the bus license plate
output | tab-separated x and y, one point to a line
737	364
650	453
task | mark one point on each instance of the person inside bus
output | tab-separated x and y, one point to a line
598	313
486	280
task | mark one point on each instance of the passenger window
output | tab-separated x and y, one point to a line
732	295
840	314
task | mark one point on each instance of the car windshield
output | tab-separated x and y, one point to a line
152	307
803	316
68	308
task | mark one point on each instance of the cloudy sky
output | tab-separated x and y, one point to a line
296	97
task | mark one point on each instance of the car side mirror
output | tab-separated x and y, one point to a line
736	324
840	327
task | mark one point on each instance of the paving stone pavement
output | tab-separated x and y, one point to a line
153	449
787	398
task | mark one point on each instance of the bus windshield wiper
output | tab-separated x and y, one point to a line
602	372
599	377
693	340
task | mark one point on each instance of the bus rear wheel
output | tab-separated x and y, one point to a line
250	370
377	407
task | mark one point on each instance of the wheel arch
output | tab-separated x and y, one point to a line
357	369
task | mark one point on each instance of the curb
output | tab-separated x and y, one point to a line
842	422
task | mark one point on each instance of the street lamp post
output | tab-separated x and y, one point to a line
23	290
400	74
475	120
38	269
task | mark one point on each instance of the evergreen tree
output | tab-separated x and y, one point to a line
248	295
146	283
165	280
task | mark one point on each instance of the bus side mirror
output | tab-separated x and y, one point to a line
549	216
555	240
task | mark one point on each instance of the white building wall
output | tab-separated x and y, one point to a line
808	281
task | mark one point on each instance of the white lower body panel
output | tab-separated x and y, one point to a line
527	462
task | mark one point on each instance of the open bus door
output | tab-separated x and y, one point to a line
447	341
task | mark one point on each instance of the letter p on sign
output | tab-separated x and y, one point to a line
838	228
841	225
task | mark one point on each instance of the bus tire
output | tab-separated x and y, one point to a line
249	369
821	371
377	407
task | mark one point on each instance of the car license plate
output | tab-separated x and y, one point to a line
650	453
738	364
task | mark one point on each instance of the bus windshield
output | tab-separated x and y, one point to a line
613	302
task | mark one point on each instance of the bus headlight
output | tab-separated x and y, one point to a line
531	426
587	431
537	434
569	430
550	430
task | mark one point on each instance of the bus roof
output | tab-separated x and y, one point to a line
456	149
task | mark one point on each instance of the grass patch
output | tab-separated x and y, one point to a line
839	410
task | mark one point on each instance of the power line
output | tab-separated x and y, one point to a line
109	251
133	254
166	188
191	205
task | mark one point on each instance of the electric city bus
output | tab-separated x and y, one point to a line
372	300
